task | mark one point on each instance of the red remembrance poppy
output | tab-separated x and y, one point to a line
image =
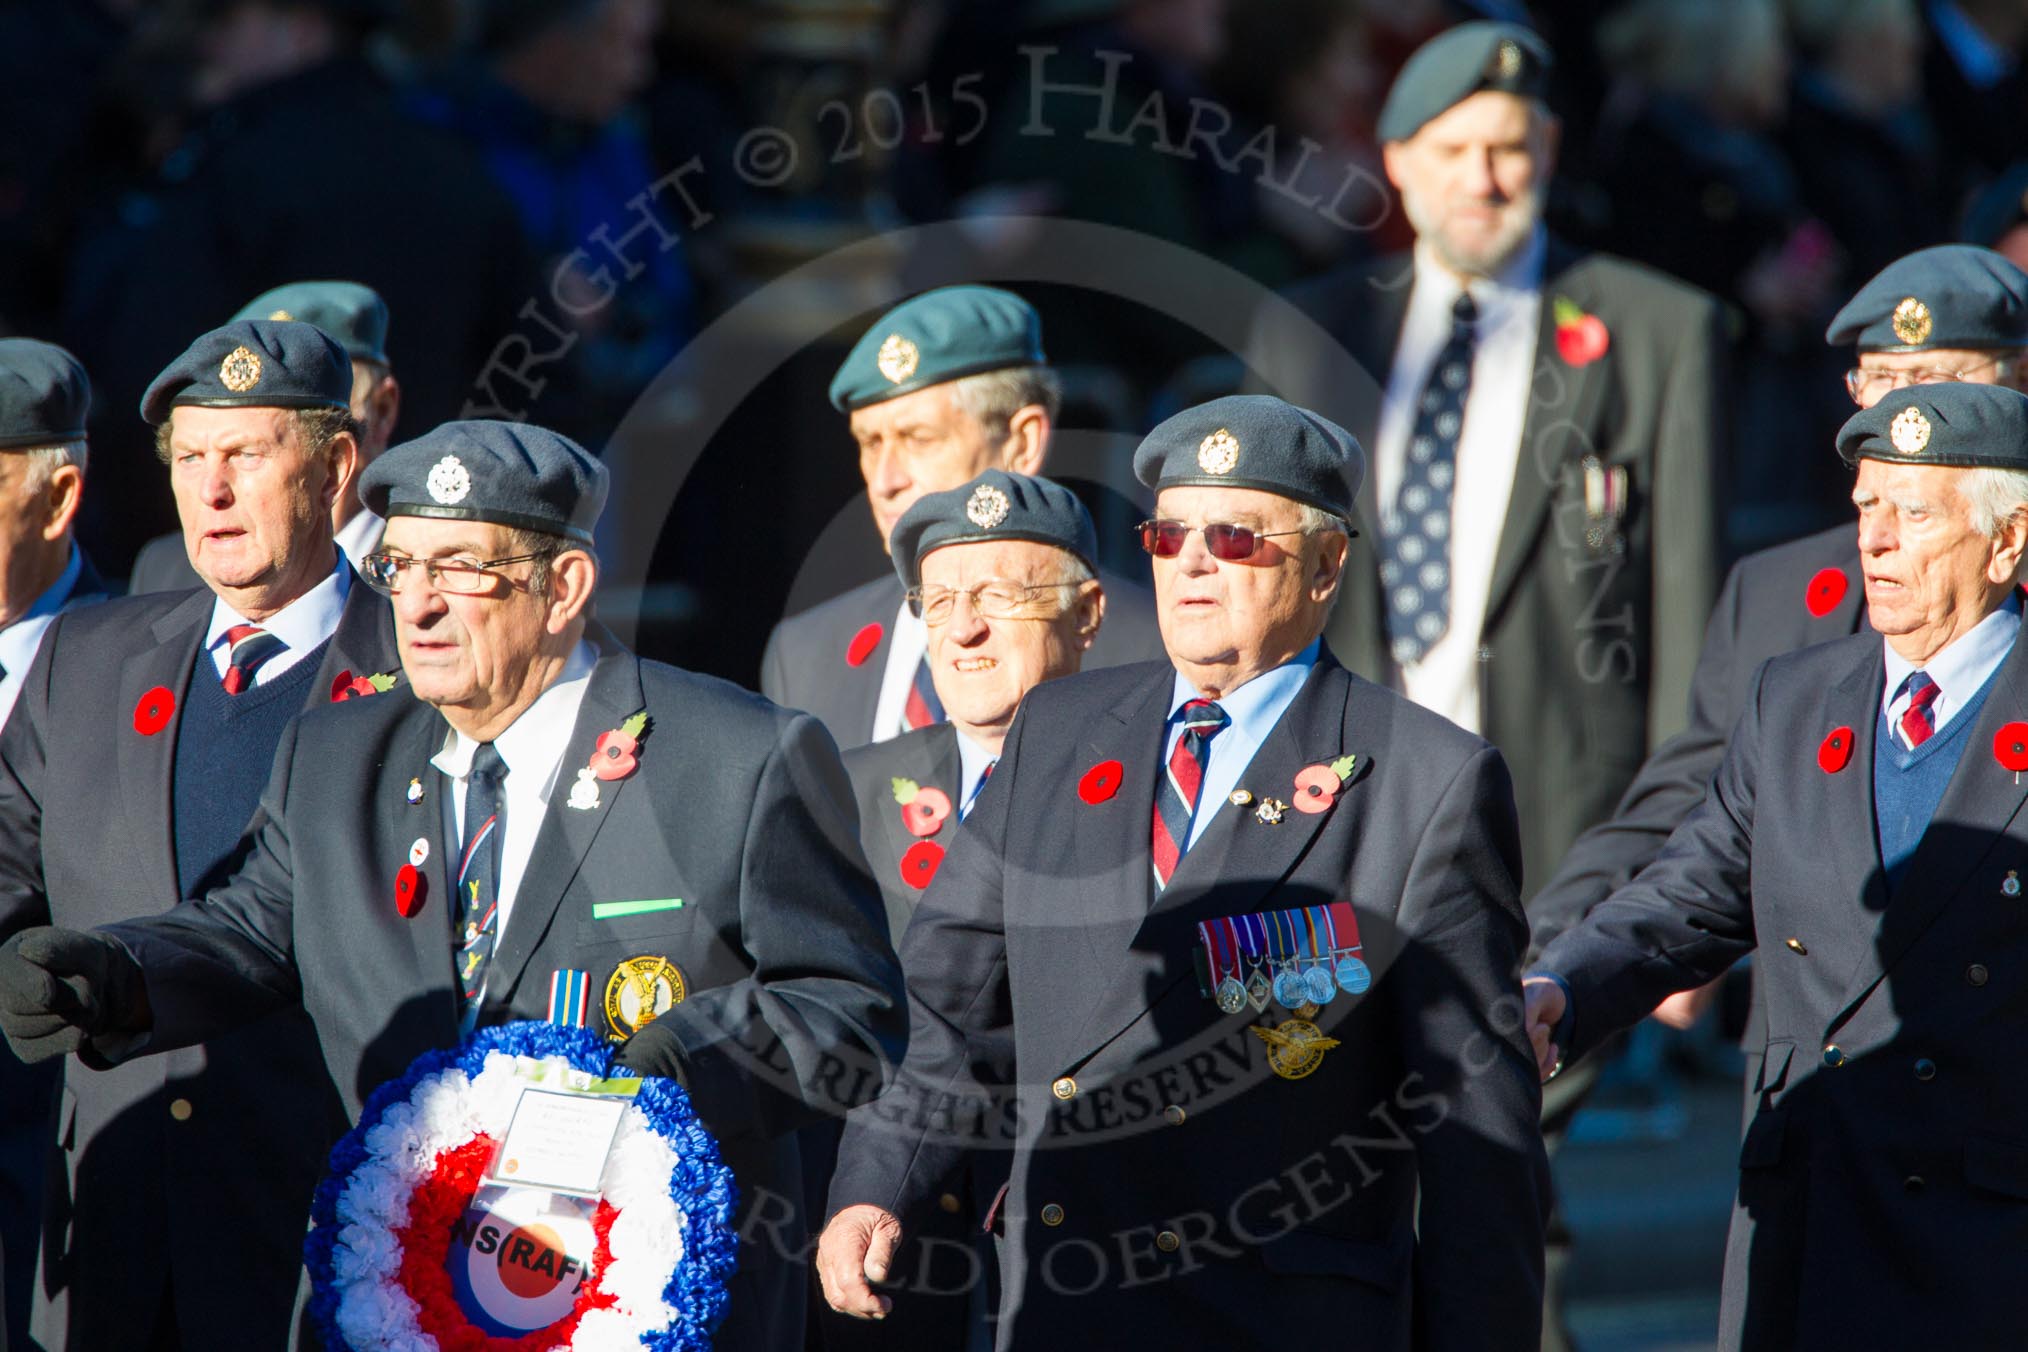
1316	789
1825	591
614	756
2010	746
348	686
1101	782
1836	752
919	863
1583	341
152	714
925	814
409	890
862	645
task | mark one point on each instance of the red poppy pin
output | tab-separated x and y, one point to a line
617	754
919	863
1825	591
348	686
862	645
1836	752
152	714
1101	782
2010	747
409	889
1581	338
1317	786
923	811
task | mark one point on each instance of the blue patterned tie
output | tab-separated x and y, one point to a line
1415	535
479	873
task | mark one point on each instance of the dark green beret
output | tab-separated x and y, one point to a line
995	506
1256	441
1456	64
511	473
254	363
355	315
1954	295
1952	423
44	395
940	335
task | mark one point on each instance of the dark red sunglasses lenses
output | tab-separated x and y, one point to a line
1164	539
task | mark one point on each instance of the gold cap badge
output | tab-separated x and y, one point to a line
639	989
1218	453
1507	60
898	358
1909	431
988	507
240	371
281	314
1911	321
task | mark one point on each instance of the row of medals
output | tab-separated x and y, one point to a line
1294	987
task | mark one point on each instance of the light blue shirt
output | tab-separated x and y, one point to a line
972	762
1960	670
20	640
1254	709
301	625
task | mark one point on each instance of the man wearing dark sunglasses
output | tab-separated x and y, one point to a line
1187	1150
939	389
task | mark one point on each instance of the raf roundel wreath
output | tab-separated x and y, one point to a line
401	1257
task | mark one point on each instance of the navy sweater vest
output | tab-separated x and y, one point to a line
1908	785
225	746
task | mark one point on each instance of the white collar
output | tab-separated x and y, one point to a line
302	624
972	762
535	741
360	535
19	640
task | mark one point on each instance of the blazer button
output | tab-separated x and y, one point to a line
1174	1115
1065	1089
1834	1056
1798	946
180	1109
1925	1069
1168	1241
949	1202
1977	974
1052	1214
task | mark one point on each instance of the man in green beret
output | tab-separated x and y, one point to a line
940	389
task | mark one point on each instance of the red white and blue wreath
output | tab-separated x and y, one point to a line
401	1259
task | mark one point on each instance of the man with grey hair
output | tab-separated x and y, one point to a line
1864	836
940	389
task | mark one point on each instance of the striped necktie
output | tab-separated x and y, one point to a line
1176	791
248	646
479	873
923	707
1918	724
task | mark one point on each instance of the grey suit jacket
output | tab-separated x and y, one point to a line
806	665
1888	1151
87	838
1053	1003
929	756
1587	645
1776	601
738	808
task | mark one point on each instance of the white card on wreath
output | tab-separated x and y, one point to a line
559	1141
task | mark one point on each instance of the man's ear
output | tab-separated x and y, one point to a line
1329	573
573	576
1027	440
60	501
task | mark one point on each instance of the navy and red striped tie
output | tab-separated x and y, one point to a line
247	647
1176	791
923	707
479	872
1918	724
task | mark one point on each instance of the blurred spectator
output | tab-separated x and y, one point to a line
1977	89
1858	136
297	163
550	100
1998	216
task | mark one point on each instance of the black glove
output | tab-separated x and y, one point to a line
654	1050
59	988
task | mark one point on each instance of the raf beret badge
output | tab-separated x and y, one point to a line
1909	431
988	507
1911	321
282	315
897	358
1218	453
449	481
240	371
1507	59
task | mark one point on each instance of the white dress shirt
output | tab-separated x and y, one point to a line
1446	679
532	748
360	536
301	625
1960	671
904	652
20	640
972	762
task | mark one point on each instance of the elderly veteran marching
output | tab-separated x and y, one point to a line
1231	938
129	768
553	828
941	388
1864	834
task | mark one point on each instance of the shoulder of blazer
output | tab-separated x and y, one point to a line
1373	711
128	624
873	767
1801	559
1633	292
1811	670
878	599
1072	697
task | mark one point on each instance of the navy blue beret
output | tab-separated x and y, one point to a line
254	363
1952	423
1256	441
355	315
1456	64
511	473
1954	295
44	395
995	506
938	336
